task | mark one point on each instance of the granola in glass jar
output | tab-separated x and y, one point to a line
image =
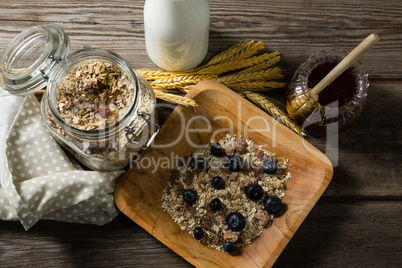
100	109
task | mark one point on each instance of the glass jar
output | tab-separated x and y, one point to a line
337	106
108	146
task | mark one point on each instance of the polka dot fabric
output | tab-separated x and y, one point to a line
42	182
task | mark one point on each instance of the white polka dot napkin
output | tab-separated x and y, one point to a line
42	182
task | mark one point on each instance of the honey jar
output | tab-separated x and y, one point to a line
338	105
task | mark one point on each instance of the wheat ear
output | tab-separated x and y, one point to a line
279	115
180	81
272	73
263	65
257	85
240	51
234	65
150	75
173	98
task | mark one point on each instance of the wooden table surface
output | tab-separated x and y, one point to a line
356	223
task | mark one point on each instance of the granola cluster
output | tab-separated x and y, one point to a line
94	96
225	193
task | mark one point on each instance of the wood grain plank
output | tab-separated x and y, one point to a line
348	234
298	29
121	243
357	221
356	234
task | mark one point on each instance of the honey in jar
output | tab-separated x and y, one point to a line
337	106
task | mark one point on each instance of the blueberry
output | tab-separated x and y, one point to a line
270	166
217	150
229	246
200	163
236	221
254	192
215	204
235	163
198	233
273	204
218	183
189	196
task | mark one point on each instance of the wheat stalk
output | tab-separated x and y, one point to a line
239	87
173	98
179	81
185	88
150	75
234	65
272	73
240	51
279	115
279	104
263	65
257	85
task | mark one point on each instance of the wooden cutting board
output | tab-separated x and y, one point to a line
221	111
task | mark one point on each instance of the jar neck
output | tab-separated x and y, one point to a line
30	57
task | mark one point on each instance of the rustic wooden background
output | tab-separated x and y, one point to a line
356	223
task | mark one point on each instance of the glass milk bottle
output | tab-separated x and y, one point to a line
176	32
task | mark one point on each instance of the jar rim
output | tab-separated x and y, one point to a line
34	52
74	60
336	55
